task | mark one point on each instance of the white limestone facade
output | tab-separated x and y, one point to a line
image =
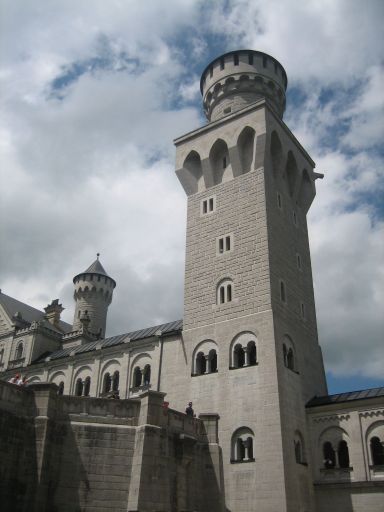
247	348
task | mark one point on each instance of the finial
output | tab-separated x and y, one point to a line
98	254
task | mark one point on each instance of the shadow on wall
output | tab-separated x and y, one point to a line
35	450
18	464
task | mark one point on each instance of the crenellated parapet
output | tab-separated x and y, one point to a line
236	79
93	294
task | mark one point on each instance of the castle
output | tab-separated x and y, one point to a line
268	437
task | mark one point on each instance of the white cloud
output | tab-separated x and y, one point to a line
94	171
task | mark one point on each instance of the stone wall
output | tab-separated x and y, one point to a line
87	454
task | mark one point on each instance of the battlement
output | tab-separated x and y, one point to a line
236	79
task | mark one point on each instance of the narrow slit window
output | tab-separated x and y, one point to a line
211	71
211	204
279	201
229	293
222	295
221	245
302	310
282	292
227	243
224	162
250	58
264	61
205	206
298	261
221	63
236	59
294	218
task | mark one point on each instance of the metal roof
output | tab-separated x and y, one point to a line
141	334
28	313
95	268
346	397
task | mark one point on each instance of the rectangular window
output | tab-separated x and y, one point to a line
224	244
208	205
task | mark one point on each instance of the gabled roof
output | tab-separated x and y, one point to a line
141	334
345	397
28	313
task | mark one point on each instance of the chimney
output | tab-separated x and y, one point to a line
53	311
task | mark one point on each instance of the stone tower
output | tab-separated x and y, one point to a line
249	305
93	294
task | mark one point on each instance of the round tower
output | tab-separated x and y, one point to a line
236	79
93	294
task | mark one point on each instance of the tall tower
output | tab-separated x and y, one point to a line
93	294
249	315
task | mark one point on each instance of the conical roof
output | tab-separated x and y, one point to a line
95	268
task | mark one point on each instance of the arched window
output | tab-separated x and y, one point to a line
201	363
377	451
225	292
329	455
147	374
289	355
60	391
115	381
137	377
290	359
107	383
252	355
79	387
238	356
343	454
19	350
242	445
212	361
87	386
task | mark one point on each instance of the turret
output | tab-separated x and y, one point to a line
236	79
93	294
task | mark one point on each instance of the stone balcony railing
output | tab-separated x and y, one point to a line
16	363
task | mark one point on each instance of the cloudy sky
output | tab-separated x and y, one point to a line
92	94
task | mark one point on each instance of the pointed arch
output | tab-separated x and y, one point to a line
192	165
291	173
306	191
246	147
219	161
276	151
